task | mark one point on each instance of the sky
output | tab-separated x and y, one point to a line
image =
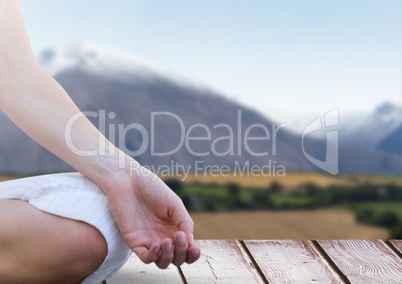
285	58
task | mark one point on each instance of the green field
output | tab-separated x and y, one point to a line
281	199
379	207
375	201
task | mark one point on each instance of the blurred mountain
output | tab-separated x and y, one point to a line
392	143
128	90
370	130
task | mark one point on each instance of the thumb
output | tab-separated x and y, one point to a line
183	220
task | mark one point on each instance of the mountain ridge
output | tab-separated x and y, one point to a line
133	97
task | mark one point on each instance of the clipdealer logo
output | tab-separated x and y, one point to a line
238	140
329	123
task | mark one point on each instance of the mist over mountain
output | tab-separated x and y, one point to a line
367	130
391	141
131	94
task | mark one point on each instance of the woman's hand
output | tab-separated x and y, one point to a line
152	218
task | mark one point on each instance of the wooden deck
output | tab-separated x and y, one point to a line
278	261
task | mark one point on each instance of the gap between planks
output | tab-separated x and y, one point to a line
396	246
222	261
291	261
330	262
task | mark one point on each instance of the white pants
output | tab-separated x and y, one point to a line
73	196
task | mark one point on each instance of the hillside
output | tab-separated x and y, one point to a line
367	130
133	92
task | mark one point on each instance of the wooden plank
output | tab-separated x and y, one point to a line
397	244
292	261
364	261
135	271
221	261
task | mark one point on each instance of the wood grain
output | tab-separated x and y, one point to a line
135	271
397	244
364	261
222	261
291	261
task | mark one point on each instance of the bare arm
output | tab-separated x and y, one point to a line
41	108
26	89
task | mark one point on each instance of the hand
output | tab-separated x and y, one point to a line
152	218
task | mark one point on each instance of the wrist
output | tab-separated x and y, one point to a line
114	173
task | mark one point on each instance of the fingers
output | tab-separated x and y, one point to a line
148	255
193	254
184	251
176	251
180	248
166	255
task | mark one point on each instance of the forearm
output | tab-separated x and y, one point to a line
42	109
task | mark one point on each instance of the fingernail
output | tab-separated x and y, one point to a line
192	239
182	239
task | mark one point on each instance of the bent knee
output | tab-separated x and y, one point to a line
45	248
85	249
